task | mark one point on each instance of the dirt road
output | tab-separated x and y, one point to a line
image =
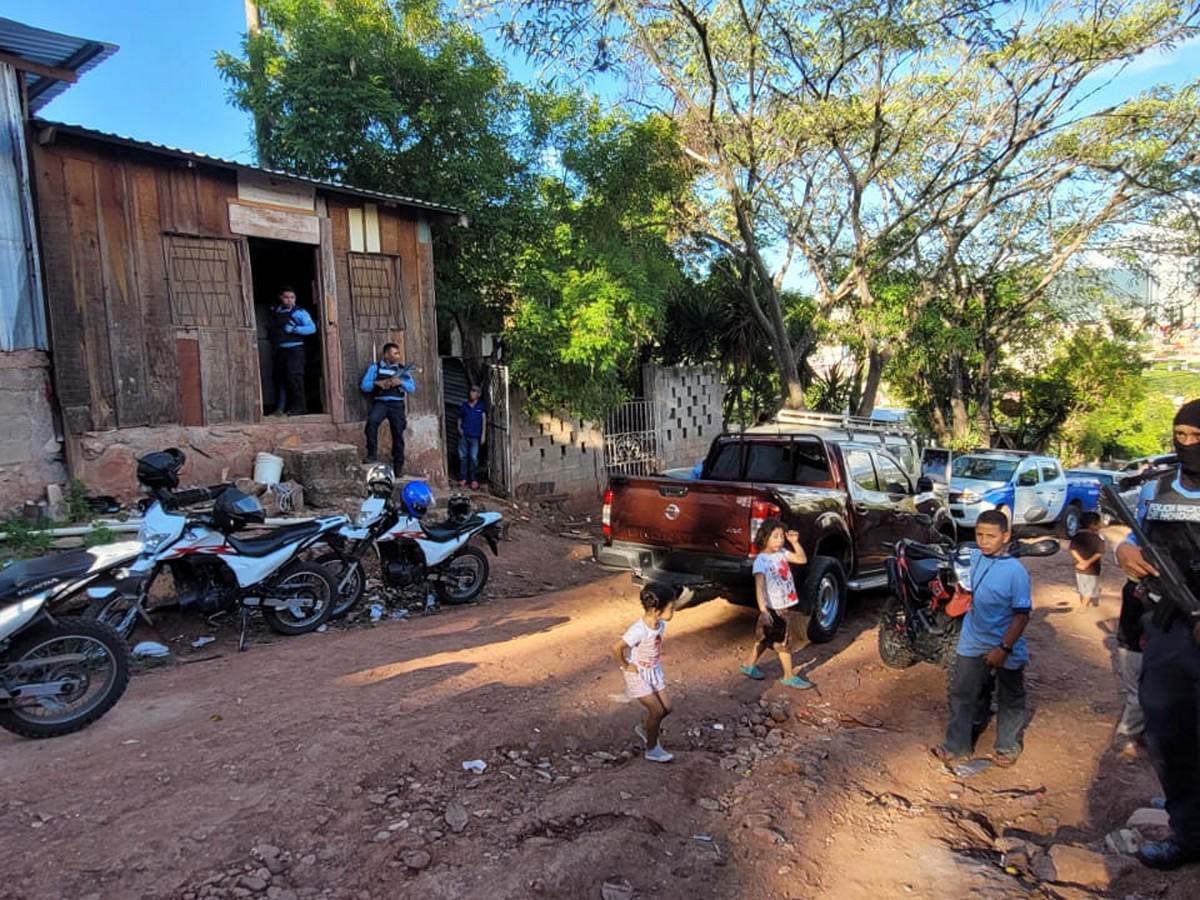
331	766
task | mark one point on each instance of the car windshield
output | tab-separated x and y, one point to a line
984	468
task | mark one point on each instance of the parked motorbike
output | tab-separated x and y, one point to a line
930	587
413	554
214	570
58	674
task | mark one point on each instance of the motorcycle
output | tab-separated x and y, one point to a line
58	674
412	553
930	587
214	570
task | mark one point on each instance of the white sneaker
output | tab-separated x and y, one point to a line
659	755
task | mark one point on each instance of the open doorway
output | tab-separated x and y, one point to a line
272	265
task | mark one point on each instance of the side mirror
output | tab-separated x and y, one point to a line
924	485
1036	514
896	487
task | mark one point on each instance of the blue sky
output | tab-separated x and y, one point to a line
162	85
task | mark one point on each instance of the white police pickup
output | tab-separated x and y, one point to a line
1029	489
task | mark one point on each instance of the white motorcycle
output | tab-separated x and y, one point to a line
58	674
215	571
412	554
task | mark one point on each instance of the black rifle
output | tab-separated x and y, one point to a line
1169	584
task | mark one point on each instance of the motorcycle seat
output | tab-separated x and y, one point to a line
274	540
924	570
20	576
447	531
926	551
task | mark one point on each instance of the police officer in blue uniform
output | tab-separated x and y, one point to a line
1169	510
287	328
388	382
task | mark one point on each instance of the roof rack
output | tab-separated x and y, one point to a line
843	422
1003	451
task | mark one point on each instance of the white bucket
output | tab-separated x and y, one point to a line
268	468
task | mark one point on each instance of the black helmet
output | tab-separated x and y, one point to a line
161	470
234	510
459	507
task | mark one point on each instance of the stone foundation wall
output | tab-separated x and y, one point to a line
30	451
106	460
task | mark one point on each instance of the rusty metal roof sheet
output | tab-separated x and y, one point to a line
165	150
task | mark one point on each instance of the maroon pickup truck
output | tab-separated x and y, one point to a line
850	500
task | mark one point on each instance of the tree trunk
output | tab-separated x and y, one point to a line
960	420
877	360
983	394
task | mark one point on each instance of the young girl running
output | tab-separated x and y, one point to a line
781	624
639	654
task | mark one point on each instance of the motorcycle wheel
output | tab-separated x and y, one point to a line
79	705
351	575
894	647
313	592
947	644
465	575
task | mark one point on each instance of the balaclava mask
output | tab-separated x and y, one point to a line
1189	455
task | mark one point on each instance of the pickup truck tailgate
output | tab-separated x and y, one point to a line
691	515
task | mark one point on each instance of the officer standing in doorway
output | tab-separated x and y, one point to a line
1169	510
287	328
388	382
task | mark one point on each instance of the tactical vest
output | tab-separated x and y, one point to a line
280	316
384	371
1173	525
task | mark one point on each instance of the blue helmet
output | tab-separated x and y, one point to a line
417	498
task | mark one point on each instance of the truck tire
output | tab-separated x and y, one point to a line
824	592
895	649
1068	523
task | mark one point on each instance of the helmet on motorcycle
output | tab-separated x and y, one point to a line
417	498
380	480
160	470
459	507
234	510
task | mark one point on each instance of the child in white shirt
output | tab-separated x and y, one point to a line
639	654
781	625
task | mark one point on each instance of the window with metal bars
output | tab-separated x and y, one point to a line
204	280
375	292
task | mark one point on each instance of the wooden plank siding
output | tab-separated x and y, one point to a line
123	354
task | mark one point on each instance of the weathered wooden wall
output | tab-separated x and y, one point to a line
126	355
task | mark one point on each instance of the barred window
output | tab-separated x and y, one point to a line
375	292
204	278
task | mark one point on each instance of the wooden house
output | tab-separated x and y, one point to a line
159	266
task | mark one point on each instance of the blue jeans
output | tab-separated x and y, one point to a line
468	457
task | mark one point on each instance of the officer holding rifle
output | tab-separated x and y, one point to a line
1164	553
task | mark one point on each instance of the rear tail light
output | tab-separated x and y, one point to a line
760	511
606	515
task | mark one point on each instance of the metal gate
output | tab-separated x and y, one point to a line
499	451
631	444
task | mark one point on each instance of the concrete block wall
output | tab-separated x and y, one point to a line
554	453
689	403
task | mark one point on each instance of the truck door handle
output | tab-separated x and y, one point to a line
672	490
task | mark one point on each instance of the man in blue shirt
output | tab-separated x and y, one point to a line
388	382
287	328
472	425
990	648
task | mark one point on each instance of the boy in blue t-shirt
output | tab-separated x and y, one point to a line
990	649
472	424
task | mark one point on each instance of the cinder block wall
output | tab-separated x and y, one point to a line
688	401
556	454
30	451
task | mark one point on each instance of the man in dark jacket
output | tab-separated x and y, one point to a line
1169	510
287	328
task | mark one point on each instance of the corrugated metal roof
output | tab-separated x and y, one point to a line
177	153
50	48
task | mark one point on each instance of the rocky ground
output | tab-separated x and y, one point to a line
333	765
